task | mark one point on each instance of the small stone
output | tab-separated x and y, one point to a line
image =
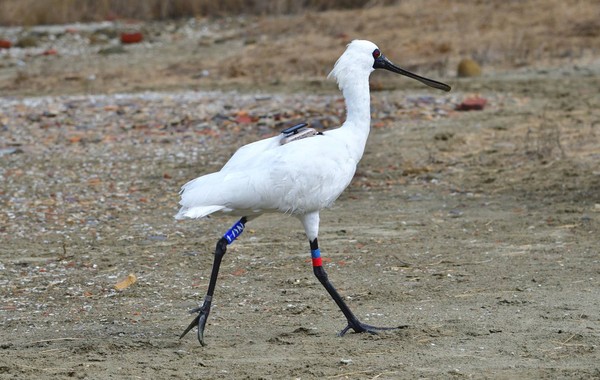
27	42
118	49
468	68
455	213
10	150
98	39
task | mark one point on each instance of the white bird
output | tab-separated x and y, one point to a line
299	177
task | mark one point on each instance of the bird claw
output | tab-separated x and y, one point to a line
360	327
199	321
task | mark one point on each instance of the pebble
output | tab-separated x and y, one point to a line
10	150
468	67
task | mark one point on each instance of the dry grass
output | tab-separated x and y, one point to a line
35	12
430	38
427	36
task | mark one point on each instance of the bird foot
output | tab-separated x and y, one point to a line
360	327
199	321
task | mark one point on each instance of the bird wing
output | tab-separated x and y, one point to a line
264	176
247	154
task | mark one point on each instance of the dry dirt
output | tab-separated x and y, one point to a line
476	231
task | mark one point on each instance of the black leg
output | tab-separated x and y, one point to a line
204	310
353	322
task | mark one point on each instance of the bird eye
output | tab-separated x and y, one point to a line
376	53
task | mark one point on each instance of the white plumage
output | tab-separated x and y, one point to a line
265	176
300	177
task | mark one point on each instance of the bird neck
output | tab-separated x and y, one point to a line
358	114
358	104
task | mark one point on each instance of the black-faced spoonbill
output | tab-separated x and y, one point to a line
298	172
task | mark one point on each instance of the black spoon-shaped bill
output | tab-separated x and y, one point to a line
381	62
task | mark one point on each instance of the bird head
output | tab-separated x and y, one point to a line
362	57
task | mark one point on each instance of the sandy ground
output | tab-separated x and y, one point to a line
476	231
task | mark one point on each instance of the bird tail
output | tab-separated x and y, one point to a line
197	212
200	197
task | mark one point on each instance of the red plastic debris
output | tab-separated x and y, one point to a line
5	44
131	38
472	104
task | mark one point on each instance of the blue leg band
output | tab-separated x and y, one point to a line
235	231
315	253
316	257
